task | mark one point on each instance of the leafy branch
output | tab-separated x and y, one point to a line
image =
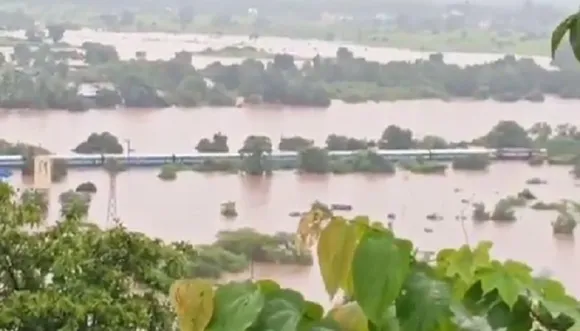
390	288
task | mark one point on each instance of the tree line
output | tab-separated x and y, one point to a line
51	77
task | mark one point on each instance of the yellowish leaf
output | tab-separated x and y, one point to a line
192	300
336	247
350	317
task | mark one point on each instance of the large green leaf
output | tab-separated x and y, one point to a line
552	290
510	280
556	316
336	247
464	262
237	306
313	311
518	318
380	267
461	265
424	304
556	308
268	286
350	317
574	36
283	311
560	31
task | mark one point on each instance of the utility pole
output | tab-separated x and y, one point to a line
113	168
128	148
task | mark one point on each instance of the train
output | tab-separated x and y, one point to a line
148	160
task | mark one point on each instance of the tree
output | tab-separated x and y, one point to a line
56	32
506	134
96	53
186	15
71	275
100	143
388	285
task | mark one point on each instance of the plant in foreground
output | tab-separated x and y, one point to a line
390	288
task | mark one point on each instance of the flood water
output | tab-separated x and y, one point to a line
176	130
164	45
188	208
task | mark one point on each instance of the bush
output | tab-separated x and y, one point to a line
86	187
168	172
503	211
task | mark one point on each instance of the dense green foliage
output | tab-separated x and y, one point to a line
48	77
389	285
72	275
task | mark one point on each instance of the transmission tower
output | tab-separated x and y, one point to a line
113	168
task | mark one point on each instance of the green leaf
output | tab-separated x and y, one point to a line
313	311
283	311
477	302
361	226
481	256
574	36
556	309
556	316
380	266
516	319
552	290
237	306
464	262
560	31
350	317
461	264
336	247
510	280
268	286
424	304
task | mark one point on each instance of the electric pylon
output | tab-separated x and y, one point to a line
113	168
